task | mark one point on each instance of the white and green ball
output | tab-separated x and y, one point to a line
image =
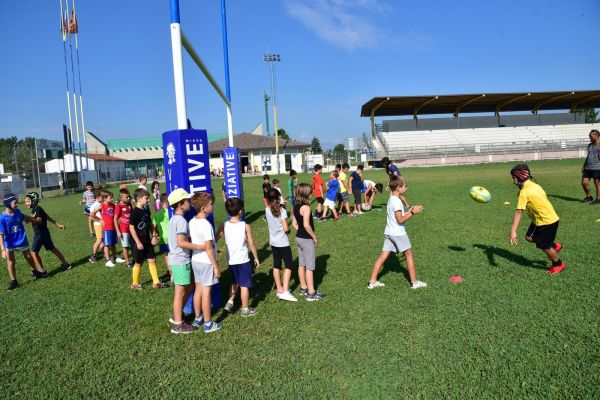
480	194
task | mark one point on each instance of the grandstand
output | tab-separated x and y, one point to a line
475	139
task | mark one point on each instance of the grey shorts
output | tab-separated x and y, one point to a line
204	274
306	253
396	244
125	239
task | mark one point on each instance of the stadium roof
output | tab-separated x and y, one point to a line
480	103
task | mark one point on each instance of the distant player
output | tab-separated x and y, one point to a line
370	189
88	200
317	186
591	168
390	168
265	188
544	220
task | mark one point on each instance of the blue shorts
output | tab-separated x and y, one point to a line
86	210
242	274
42	240
109	237
163	248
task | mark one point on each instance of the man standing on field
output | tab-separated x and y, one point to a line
591	168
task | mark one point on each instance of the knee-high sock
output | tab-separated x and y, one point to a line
153	272
137	269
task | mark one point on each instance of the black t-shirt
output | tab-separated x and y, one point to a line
301	229
140	220
266	187
39	229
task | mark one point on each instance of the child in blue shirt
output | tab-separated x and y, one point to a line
332	189
13	237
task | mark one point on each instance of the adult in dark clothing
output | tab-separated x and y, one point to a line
390	168
591	168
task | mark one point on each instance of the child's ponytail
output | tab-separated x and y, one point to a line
273	198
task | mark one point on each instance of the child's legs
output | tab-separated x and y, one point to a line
277	279
310	282
302	277
153	270
552	254
37	259
347	205
58	255
10	265
245	295
168	265
585	184
410	265
106	255
378	264
31	261
96	246
206	312
232	292
113	249
324	215
287	275
597	183
198	300
90	225
125	254
178	301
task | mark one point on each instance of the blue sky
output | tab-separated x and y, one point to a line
336	55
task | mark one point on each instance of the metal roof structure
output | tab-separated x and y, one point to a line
149	142
247	141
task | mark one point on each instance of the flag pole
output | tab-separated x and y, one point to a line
87	166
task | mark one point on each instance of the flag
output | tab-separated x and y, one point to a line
63	25
73	28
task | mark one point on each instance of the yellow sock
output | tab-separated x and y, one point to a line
153	271
137	269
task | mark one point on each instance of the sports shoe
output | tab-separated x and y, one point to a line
172	320
212	326
349	215
129	265
228	306
160	285
248	312
595	202
136	286
315	296
303	292
109	264
92	235
587	199
555	269
375	284
13	285
119	260
287	296
35	274
360	213
182	328
335	219
198	322
418	285
322	219
65	266
92	259
558	247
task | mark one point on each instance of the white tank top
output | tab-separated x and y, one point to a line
237	244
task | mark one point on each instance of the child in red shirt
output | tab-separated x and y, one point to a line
122	215
109	233
317	184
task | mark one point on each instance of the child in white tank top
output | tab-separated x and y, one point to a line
238	238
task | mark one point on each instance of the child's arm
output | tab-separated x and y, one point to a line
116	219
185	244
220	232
512	238
154	233
252	245
285	226
135	237
33	219
211	256
305	212
55	222
2	249
93	216
294	222
411	211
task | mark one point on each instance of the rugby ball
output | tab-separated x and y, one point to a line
366	207
480	194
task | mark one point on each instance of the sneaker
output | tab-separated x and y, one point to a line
587	199
418	285
92	259
182	328
248	312
360	213
229	306
595	202
13	285
315	296
375	284
119	260
135	286
160	285
198	322
322	219
172	320
109	264
212	326
349	215
35	274
287	296
558	247
93	235
555	269
303	292
335	219
65	266
129	265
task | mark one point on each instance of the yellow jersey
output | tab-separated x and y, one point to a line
533	199
342	178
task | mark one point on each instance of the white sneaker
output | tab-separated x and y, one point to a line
286	296
229	306
109	264
418	285
119	260
375	284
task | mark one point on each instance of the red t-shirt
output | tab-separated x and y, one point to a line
123	212
108	216
317	185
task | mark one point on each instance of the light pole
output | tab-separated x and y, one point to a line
271	59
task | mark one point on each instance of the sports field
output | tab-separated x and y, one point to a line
509	331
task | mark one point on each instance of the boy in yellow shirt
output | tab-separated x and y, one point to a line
544	220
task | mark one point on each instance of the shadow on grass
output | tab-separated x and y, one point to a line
252	216
492	252
390	266
456	248
565	198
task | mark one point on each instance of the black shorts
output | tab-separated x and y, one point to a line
338	197
591	173
320	200
42	240
139	256
357	196
282	253
543	235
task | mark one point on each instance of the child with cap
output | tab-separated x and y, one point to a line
13	238
544	220
41	237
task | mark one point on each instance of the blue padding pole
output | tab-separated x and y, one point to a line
174	7
232	166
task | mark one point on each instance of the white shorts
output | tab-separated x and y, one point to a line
204	274
19	249
329	203
396	244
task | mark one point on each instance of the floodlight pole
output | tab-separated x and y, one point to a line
271	59
178	65
267	98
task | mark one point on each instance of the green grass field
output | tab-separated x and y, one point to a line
509	331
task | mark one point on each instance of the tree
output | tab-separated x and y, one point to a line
339	148
591	116
315	146
282	134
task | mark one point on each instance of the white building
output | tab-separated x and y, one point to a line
108	168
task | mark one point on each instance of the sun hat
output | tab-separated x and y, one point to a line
177	195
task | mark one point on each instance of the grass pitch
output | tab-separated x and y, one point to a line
509	331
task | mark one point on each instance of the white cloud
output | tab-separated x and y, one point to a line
346	24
